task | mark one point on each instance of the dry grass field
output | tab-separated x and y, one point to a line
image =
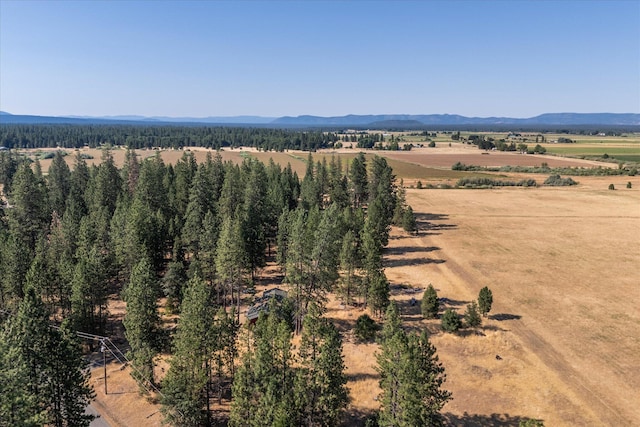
563	268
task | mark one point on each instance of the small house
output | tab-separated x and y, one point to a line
262	303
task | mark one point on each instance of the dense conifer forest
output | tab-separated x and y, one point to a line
140	136
196	236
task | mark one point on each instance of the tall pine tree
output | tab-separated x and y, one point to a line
141	321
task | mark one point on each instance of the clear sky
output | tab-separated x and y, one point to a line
222	58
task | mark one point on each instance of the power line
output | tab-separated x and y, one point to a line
108	345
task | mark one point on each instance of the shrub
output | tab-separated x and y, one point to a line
633	172
629	184
529	422
450	321
558	181
489	182
472	315
432	144
539	149
366	328
419	185
612	187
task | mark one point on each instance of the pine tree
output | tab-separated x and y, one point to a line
409	221
312	257
423	391
200	202
208	247
393	347
231	260
69	390
254	217
411	377
224	351
28	218
378	294
310	190
184	171
282	238
320	391
381	185
185	385
358	183
106	186
89	292
430	304
472	315
262	387
338	183
172	283
58	183
130	171
231	197
450	321
141	321
57	379
18	405
350	261
401	204
485	300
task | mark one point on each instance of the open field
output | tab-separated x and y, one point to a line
629	152
428	165
562	264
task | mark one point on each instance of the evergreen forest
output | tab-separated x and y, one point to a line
192	239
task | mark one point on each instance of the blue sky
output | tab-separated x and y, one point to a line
222	58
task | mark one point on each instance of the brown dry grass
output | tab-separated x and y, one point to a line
562	264
123	405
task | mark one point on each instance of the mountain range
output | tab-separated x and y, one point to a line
372	121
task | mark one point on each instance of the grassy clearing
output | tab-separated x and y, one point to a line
572	276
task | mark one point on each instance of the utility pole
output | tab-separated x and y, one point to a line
103	349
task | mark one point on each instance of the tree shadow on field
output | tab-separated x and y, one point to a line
362	376
493	420
505	316
493	328
448	303
426	226
401	250
470	332
344	325
408	262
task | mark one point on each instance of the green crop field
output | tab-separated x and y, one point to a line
626	152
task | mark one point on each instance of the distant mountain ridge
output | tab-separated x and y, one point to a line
397	120
623	119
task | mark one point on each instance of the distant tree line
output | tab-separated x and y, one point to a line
544	168
140	136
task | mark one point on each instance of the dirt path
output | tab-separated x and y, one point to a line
604	410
